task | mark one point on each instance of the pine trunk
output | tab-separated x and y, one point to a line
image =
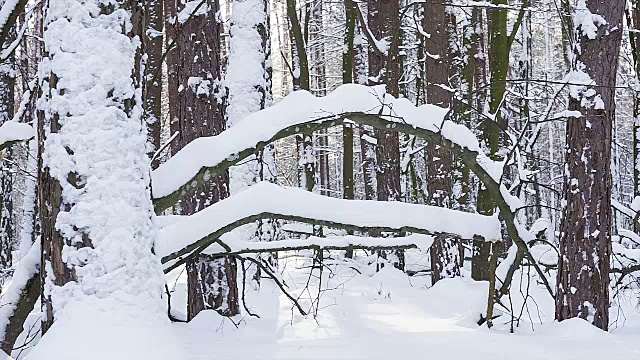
444	252
153	41
585	238
197	108
384	22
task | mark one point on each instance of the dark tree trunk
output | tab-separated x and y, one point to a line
7	83
491	130
28	298
153	41
196	108
444	252
585	238
384	22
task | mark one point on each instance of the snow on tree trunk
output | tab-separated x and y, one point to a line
19	298
197	108
248	82
444	252
585	239
101	277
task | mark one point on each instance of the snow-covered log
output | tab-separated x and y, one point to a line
193	234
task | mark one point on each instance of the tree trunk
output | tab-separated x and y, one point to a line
384	22
300	63
95	198
444	252
491	130
585	239
197	108
633	16
7	83
153	41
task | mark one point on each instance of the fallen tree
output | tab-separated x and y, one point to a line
191	235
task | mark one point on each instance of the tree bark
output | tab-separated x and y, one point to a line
444	253
385	68
7	84
197	108
153	41
585	238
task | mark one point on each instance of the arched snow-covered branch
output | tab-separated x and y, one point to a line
193	234
298	111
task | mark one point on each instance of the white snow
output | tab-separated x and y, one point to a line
190	10
387	315
420	241
8	6
248	87
15	131
585	21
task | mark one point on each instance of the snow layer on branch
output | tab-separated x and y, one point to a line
15	131
8	6
106	221
265	197
300	107
25	268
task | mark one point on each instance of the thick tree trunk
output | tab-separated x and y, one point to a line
197	108
95	201
585	238
250	48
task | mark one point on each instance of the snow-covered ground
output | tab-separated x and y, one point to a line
388	315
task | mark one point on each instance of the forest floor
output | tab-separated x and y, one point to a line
388	315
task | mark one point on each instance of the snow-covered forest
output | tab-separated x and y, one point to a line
319	179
